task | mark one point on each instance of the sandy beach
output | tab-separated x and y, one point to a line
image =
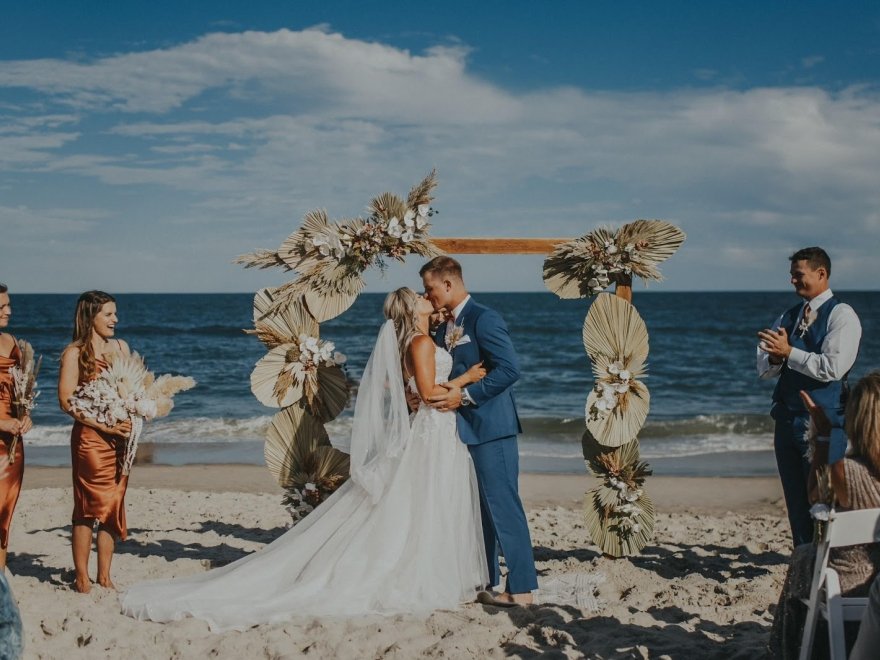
704	588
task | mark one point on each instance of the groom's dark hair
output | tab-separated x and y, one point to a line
442	266
816	257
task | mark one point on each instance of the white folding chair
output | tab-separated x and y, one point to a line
844	528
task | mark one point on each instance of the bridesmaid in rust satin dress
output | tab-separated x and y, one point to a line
10	481
96	449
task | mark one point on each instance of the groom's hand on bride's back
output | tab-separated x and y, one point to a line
450	400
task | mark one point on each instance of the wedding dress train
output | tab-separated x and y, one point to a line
402	535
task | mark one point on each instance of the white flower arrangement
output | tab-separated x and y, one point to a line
364	242
610	390
624	510
310	354
128	390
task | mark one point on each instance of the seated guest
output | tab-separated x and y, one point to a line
855	483
868	642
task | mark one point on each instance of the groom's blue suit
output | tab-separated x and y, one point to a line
489	427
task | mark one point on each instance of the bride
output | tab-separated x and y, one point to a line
402	535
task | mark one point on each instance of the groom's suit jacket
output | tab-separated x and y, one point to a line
493	413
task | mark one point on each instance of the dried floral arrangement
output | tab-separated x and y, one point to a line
24	387
330	258
590	264
618	513
128	390
301	373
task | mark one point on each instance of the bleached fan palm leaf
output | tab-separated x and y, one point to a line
290	321
623	423
603	530
333	391
614	330
265	379
328	303
387	206
293	435
655	241
126	371
611	528
297	245
568	268
322	467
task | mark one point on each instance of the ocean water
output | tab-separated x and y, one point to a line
709	411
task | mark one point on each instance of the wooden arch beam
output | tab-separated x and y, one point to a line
498	245
513	246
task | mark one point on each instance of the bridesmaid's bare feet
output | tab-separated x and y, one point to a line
82	585
107	583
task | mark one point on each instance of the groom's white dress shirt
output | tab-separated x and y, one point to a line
450	324
839	349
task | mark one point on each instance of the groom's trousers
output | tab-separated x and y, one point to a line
505	528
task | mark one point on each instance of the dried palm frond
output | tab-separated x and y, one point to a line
292	437
387	206
291	320
614	330
616	340
619	516
325	467
331	395
330	257
655	241
569	267
272	381
262	259
331	301
623	423
589	264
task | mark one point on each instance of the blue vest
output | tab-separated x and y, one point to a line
831	395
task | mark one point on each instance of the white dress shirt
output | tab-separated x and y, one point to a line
450	323
839	349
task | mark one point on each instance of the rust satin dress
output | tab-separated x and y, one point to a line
98	483
10	485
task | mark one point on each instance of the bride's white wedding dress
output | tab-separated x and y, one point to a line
402	535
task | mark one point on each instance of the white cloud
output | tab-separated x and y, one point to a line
297	120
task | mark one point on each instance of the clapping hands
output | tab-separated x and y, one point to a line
775	344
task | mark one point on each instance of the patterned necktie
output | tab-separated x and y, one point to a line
804	325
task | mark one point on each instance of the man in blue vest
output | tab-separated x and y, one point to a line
487	422
811	347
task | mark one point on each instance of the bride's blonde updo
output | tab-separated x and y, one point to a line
401	308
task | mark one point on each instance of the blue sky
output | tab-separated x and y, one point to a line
144	145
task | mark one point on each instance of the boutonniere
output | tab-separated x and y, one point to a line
806	322
455	337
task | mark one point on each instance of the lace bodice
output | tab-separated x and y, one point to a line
442	368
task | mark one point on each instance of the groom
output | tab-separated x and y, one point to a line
487	421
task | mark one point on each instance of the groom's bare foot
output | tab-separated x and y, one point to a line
82	585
